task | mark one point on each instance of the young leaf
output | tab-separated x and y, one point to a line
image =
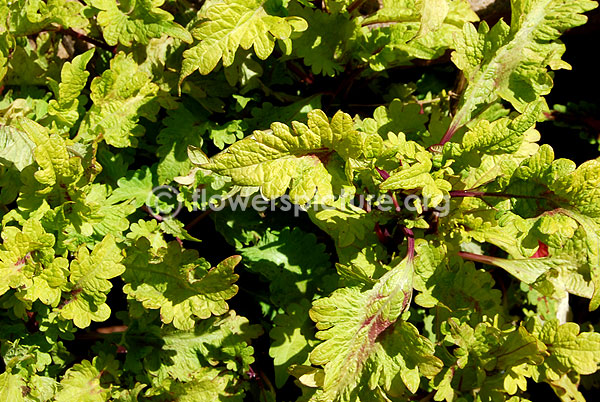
73	79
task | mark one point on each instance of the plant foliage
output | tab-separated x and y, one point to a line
430	247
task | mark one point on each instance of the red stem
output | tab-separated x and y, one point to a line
477	257
395	201
448	136
471	193
411	243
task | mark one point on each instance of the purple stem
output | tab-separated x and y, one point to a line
471	193
384	175
149	212
448	136
411	243
477	257
382	235
466	193
395	201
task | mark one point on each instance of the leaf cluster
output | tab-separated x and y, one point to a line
421	243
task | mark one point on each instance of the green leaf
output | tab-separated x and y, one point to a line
418	176
433	14
561	188
293	337
58	168
510	62
569	349
355	240
208	385
581	188
89	283
217	343
493	361
73	79
47	286
457	289
229	24
227	134
349	323
183	128
23	254
268	113
403	354
82	383
503	135
397	117
16	149
570	353
403	30
323	49
29	17
176	228
562	270
298	159
136	21
11	387
121	95
281	258
136	186
179	283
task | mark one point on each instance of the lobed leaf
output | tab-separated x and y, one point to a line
179	283
136	21
229	24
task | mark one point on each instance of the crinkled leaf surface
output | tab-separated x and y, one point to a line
281	158
349	322
122	95
569	349
23	254
89	283
179	283
16	149
82	383
510	62
136	21
73	79
229	24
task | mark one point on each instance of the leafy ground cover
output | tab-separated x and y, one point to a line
291	200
